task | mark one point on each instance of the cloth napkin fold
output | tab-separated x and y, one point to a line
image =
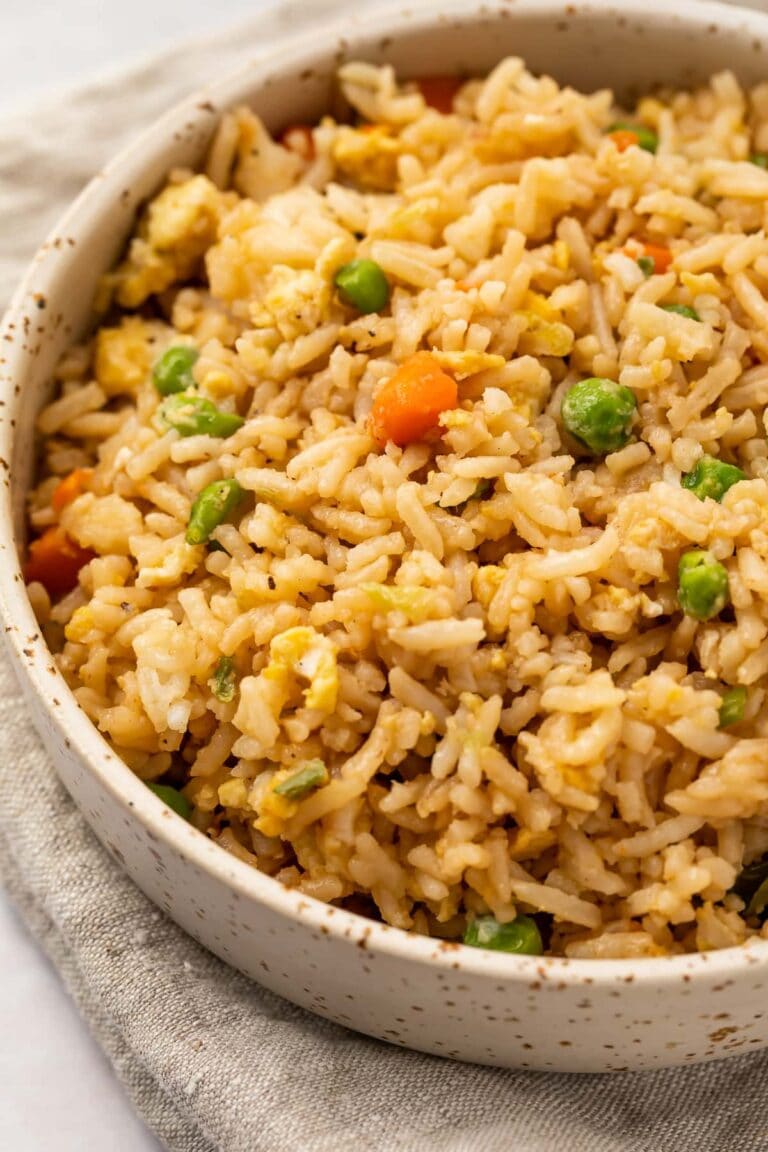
210	1060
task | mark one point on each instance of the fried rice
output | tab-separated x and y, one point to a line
473	639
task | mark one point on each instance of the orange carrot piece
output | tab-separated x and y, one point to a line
439	91
298	138
408	406
70	488
624	138
55	560
662	257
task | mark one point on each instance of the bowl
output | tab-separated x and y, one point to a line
444	998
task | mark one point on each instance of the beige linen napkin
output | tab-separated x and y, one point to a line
210	1060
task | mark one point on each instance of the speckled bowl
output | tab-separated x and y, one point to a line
412	991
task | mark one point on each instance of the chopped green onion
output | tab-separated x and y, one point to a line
760	159
299	783
681	310
211	508
483	489
759	901
647	265
752	886
732	706
750	878
196	416
173	798
223	680
520	935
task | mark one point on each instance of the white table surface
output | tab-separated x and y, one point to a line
57	1091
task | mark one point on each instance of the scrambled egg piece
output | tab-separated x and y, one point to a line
80	625
275	808
124	355
163	562
274	811
415	602
296	302
527	843
304	652
468	363
233	793
486	582
422	220
455	418
179	225
368	155
561	254
703	283
185	215
545	334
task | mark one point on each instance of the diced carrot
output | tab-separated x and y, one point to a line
408	406
662	257
624	138
439	91
70	488
55	560
298	138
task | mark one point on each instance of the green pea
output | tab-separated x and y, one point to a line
223	678
195	416
299	783
173	798
173	371
647	265
732	706
363	284
702	585
519	935
712	478
646	137
211	507
681	310
598	413
760	159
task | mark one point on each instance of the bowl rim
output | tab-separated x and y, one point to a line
31	657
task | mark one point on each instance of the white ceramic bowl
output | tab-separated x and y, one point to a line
443	998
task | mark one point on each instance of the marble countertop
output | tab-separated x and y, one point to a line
57	1090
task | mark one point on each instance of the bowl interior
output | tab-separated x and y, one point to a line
630	46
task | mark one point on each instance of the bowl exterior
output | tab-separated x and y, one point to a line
438	997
